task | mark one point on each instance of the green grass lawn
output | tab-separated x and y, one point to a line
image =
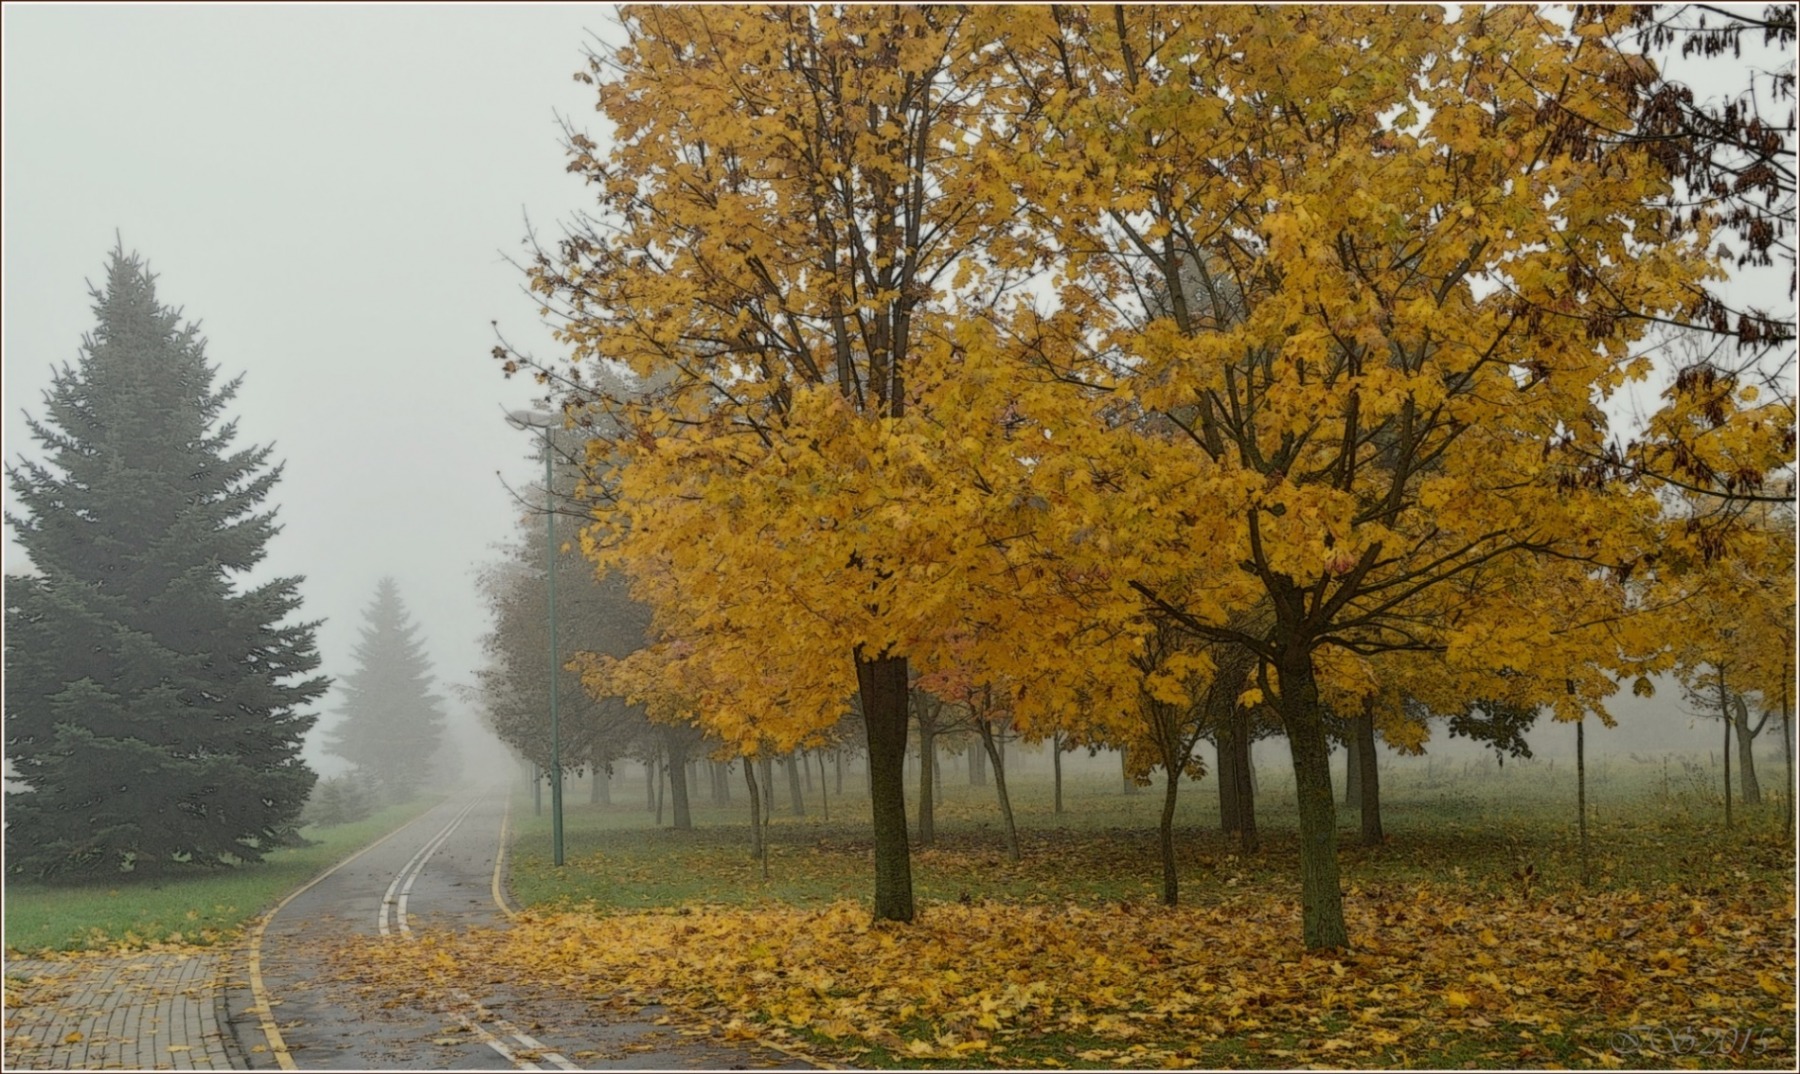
206	908
1475	824
1479	838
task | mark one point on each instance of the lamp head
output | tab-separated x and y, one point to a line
533	419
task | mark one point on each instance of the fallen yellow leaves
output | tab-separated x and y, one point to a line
94	1010
1142	986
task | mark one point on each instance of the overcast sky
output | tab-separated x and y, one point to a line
332	192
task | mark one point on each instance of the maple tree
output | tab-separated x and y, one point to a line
791	217
979	709
1381	421
1310	365
1733	152
595	618
962	694
989	716
593	615
929	713
1732	624
1726	430
1176	709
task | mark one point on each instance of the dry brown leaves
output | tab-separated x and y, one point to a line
1434	973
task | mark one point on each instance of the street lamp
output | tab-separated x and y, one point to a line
538	419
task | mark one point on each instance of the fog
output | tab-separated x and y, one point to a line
332	192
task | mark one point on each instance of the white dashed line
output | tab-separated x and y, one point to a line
394	903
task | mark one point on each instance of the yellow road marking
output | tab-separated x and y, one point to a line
264	1012
500	861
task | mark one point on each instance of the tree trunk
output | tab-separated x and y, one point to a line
796	799
677	745
1369	777
1127	784
1725	718
1237	794
977	768
759	850
824	796
1581	795
837	760
993	748
1249	841
659	769
1787	751
937	777
1228	782
927	799
1746	740
1353	771
537	791
800	759
765	778
650	784
1171	889
1321	903
1056	767
882	684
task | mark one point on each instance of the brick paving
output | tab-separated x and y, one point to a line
156	1011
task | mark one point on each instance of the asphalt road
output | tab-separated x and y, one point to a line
438	871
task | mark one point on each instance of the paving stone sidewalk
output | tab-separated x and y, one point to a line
156	1011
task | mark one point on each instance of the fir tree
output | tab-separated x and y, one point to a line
152	706
392	723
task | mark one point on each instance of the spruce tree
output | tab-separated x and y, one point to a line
153	707
392	723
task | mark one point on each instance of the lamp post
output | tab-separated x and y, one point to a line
537	419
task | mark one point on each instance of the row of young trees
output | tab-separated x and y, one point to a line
951	719
1140	370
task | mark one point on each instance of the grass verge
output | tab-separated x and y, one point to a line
204	909
1493	830
1477	942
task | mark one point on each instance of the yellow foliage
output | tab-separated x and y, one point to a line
987	978
991	359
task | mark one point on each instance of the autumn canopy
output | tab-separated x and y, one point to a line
1104	358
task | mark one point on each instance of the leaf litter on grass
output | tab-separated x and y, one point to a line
1437	973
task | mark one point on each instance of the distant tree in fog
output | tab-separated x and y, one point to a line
392	723
593	615
152	705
